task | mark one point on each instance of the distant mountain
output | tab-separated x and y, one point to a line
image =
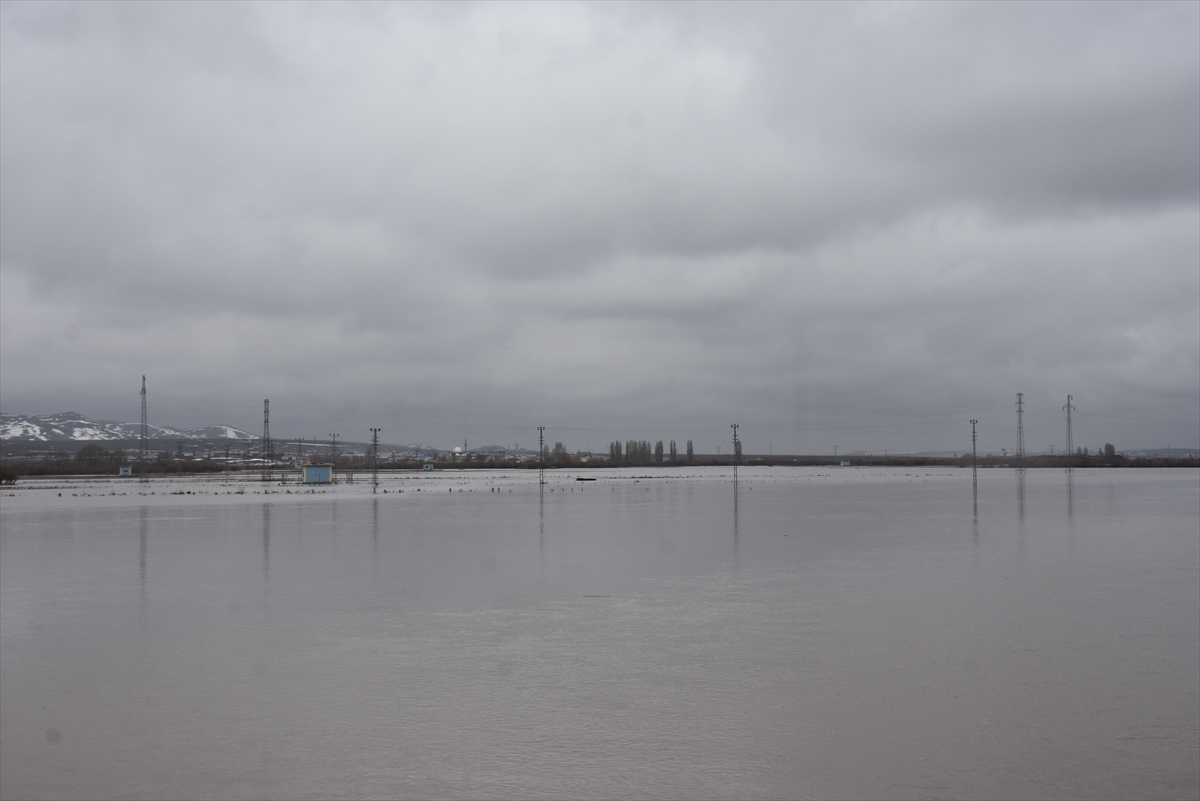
216	432
72	426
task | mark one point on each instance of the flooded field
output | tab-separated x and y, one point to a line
805	633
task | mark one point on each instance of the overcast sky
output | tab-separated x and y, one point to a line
852	225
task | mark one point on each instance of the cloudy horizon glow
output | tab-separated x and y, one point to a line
852	225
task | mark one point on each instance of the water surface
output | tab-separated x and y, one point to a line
656	633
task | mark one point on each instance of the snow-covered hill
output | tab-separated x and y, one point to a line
75	427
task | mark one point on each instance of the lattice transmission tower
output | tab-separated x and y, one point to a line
737	451
375	459
974	468
541	455
268	448
142	442
1070	451
1021	431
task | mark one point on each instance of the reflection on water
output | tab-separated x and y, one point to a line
1071	496
735	519
266	542
1021	496
374	530
852	643
143	529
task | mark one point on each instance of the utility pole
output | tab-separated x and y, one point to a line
541	455
974	466
333	469
268	448
1020	432
374	459
737	451
1070	452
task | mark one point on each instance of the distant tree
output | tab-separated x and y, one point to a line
91	456
614	452
737	450
689	450
1109	450
674	452
658	451
561	456
95	457
638	451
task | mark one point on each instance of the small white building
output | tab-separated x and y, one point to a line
318	473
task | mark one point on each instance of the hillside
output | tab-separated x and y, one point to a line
74	427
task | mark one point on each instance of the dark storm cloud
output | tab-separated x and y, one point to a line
634	219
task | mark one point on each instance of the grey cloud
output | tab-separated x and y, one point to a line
604	215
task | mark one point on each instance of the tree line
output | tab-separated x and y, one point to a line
93	459
640	452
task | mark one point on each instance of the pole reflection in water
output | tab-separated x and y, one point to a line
374	530
1021	497
735	521
1071	497
266	520
974	494
974	509
143	526
1021	513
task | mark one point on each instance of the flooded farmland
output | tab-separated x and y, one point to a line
803	633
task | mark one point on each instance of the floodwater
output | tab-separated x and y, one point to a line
807	633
